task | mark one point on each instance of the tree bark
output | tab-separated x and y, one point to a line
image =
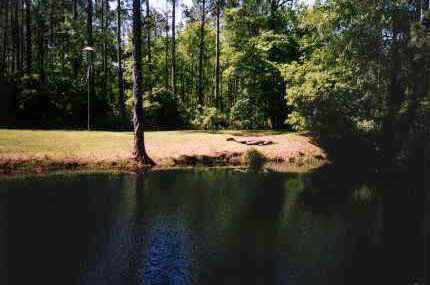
51	7
28	38
3	66
41	44
396	91
426	5
138	113
16	38
166	52
201	53
91	44
148	45
218	51
77	59
75	10
121	100
174	46
21	35
104	54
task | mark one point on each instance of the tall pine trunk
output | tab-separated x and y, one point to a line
41	44
148	46
138	113
201	53
5	17
104	54
90	54
16	37
77	59
174	46
396	90
166	52
28	37
425	6
217	63
21	37
121	98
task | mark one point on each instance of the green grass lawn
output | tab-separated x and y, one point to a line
97	146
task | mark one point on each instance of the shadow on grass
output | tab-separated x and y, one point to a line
352	151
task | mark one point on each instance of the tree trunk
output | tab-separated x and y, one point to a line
41	44
3	66
77	59
201	53
90	54
28	38
217	63
174	46
121	100
148	46
425	5
104	54
396	92
16	39
21	37
166	53
51	7
138	113
75	10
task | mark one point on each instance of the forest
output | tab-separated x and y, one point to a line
355	72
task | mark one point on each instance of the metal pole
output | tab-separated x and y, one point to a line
89	88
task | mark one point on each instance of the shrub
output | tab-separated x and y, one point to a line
322	98
210	119
254	159
244	115
162	108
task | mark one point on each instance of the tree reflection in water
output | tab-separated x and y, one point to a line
203	226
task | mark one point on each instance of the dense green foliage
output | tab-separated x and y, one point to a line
341	68
364	70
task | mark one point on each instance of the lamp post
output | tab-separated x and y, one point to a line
88	51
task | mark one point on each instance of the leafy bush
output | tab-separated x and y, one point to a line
254	159
162	108
210	118
61	102
245	116
322	98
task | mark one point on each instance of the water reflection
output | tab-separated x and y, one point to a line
214	227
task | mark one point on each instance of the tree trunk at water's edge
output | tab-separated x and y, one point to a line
138	113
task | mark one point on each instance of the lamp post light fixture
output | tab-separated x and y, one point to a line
88	51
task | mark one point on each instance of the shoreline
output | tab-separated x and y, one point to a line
37	166
38	151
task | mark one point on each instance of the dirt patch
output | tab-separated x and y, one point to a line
13	167
217	159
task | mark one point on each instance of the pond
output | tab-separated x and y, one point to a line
213	226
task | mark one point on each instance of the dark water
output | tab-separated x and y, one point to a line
213	227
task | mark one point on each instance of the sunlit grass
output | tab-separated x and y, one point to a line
117	146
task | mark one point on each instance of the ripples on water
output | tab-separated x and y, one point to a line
213	227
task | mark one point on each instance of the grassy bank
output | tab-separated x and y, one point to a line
41	151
